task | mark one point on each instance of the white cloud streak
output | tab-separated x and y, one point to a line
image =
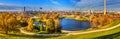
4	4
55	2
96	3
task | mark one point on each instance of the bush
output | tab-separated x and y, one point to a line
23	24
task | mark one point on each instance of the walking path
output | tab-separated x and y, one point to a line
76	33
69	32
35	34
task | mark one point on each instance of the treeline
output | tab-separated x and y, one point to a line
8	22
52	23
99	20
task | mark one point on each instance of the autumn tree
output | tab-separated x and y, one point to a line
30	24
50	26
57	25
102	20
109	18
46	16
94	21
8	22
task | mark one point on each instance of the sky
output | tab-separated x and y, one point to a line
59	4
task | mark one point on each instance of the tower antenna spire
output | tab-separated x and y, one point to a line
105	7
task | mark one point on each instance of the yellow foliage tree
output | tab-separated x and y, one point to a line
8	22
50	26
57	25
30	24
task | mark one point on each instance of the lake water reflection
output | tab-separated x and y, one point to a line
73	25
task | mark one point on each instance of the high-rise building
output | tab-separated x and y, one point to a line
24	9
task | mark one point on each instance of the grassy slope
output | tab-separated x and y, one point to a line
11	36
99	35
111	36
92	35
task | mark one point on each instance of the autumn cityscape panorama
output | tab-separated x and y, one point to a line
59	19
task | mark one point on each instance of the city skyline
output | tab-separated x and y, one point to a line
59	4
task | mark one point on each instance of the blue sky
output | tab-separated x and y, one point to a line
61	4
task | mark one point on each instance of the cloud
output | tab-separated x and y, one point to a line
89	3
96	3
55	2
4	6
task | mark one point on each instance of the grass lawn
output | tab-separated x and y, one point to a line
21	36
111	36
69	17
114	33
92	35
